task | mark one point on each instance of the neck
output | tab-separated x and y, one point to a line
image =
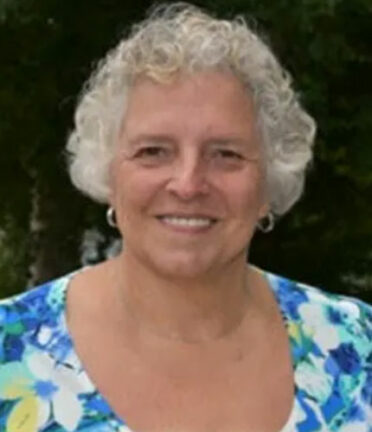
189	310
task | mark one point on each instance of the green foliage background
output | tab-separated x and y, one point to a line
48	49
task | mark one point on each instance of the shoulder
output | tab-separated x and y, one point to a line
303	302
25	318
331	342
41	377
336	325
343	311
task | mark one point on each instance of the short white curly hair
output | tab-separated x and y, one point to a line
181	38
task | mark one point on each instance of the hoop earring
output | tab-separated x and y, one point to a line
266	224
111	217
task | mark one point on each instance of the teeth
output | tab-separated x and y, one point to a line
188	222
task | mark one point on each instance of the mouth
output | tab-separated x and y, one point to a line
187	222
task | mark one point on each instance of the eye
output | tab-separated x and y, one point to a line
153	155
228	154
151	152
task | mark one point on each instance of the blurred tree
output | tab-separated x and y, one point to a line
48	50
327	240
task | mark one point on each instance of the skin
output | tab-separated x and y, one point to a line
179	307
195	151
188	148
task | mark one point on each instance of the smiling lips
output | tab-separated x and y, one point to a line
187	222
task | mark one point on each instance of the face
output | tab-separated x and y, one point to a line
187	176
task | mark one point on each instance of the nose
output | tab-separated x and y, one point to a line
189	178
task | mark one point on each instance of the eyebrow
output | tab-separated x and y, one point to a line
227	140
136	140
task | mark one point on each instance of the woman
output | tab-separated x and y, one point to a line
192	134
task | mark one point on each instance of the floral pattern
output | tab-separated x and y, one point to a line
44	387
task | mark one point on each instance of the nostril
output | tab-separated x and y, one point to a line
188	187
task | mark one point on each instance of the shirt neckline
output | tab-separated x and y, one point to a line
289	425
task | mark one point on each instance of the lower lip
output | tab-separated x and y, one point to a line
187	229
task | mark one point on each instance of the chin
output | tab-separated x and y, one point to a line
182	266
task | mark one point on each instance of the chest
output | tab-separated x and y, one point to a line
247	391
213	403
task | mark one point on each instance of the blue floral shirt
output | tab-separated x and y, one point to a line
44	387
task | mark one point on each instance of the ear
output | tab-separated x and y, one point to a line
111	185
110	200
111	195
264	210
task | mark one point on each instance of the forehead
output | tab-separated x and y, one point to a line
208	99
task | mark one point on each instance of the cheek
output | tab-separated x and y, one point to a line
133	189
247	194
